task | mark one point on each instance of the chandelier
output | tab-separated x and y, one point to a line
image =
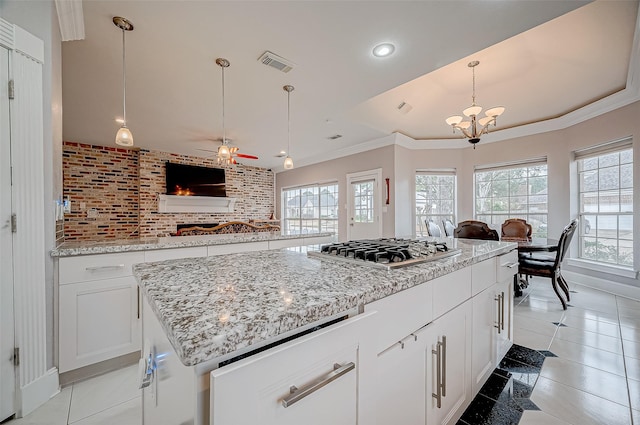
473	128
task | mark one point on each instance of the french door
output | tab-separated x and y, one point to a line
7	329
364	205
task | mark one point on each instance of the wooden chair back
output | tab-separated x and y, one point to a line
516	229
473	229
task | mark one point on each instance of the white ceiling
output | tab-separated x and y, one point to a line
539	59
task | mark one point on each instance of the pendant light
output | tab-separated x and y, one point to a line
124	136
288	162
224	154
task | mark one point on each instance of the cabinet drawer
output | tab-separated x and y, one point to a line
172	254
451	290
483	275
237	247
254	390
96	267
401	313
507	265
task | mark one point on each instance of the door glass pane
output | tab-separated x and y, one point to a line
363	202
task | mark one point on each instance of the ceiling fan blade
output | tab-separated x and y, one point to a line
207	150
244	155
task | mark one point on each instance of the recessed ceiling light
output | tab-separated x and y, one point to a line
384	49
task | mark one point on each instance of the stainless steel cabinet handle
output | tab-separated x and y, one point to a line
298	394
104	268
500	325
138	303
444	366
438	394
502	311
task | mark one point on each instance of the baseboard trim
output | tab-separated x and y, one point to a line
86	372
38	392
603	285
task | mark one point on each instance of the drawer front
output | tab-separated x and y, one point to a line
401	313
97	267
321	396
237	247
451	290
483	275
507	265
172	254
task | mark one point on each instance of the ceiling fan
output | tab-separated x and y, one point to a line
233	152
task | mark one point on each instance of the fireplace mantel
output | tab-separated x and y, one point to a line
194	204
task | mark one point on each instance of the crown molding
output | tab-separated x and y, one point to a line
70	19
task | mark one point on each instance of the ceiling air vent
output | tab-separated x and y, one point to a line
334	137
404	108
275	61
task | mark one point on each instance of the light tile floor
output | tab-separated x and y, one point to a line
594	380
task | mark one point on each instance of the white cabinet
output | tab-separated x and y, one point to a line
312	380
449	366
175	253
99	313
504	325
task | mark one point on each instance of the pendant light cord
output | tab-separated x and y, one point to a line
124	82
224	133
473	79
288	122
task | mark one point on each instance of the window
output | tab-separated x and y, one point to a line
310	209
605	190
435	198
513	191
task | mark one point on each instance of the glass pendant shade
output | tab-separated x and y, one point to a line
495	112
124	137
484	121
288	163
454	120
465	124
472	110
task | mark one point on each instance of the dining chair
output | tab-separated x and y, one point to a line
448	227
551	268
433	229
516	229
473	229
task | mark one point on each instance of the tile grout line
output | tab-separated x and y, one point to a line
624	363
69	408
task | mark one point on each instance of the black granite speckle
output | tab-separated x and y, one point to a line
525	355
547	353
483	411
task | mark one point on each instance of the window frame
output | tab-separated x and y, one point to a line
420	226
585	232
324	224
539	230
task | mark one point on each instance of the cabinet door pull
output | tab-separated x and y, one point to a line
138	299
502	311
104	268
510	265
438	394
497	325
444	366
298	394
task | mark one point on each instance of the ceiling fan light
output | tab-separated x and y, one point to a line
454	120
223	152
495	111
472	110
288	163
124	137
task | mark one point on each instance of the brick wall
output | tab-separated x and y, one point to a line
123	186
251	186
104	179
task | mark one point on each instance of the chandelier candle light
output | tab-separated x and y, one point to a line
288	162
124	136
475	127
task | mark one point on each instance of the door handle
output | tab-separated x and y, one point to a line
498	298
104	268
502	311
298	394
441	371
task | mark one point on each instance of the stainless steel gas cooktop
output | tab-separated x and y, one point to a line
389	253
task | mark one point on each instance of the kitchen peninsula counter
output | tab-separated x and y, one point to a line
69	249
211	307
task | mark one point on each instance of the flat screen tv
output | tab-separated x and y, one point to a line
193	180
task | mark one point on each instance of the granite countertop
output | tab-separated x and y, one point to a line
210	308
68	249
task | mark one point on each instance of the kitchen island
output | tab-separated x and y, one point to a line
99	303
258	312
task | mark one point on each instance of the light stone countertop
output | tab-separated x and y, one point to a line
68	249
214	306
